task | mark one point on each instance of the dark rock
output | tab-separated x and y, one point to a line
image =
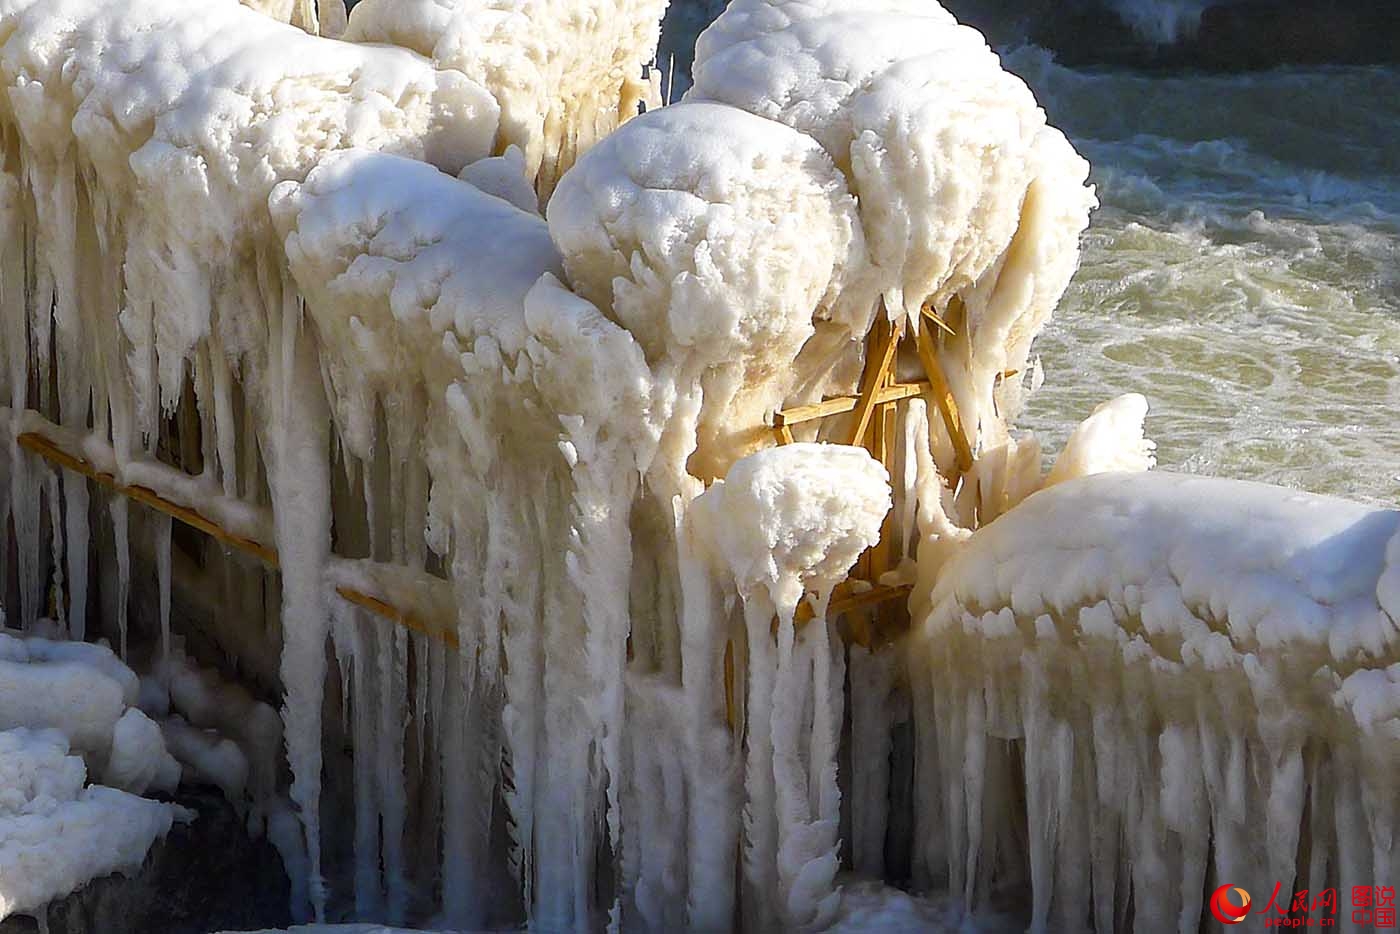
205	876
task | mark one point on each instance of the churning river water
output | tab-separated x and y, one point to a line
1243	271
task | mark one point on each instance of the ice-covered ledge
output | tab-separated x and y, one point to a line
1172	653
1191	560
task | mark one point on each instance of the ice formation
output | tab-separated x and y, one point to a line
304	287
55	835
1110	439
1162	670
971	205
784	522
65	716
566	73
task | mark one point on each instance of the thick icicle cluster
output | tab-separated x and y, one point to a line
787	521
144	143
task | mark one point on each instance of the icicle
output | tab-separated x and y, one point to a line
599	564
343	644
470	765
713	829
364	735
760	790
807	811
28	517
914	442
75	514
522	647
419	646
56	595
119	508
390	644
163	556
300	474
225	432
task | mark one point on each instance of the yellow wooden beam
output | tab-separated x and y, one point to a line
877	367
943	400
847	598
933	316
48	449
838	405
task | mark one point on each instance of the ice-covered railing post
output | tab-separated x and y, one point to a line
873	425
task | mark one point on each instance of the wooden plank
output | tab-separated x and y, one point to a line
877	368
933	316
50	451
943	400
883	450
846	598
838	405
395	615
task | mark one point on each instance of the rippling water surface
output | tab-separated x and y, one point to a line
1243	272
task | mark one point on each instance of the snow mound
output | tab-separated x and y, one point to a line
795	518
76	699
56	835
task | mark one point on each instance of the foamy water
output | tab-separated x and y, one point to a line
1243	272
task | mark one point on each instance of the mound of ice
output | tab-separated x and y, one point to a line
971	206
406	269
565	73
723	243
56	835
794	519
1110	439
75	699
139	761
784	521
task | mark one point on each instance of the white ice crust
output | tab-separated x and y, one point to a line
794	519
64	714
55	835
1174	652
970	204
565	72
